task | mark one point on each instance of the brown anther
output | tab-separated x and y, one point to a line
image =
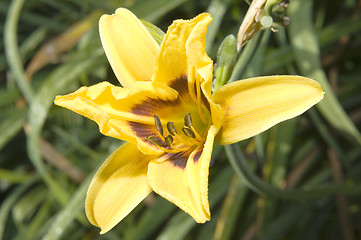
188	132
158	124
188	120
171	129
153	139
168	140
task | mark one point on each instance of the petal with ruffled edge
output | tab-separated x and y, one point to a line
182	51
118	187
182	178
128	114
253	105
129	47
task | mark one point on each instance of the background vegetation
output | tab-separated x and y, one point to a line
298	180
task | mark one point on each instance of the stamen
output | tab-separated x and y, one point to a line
158	124
171	129
186	143
188	120
168	140
153	139
191	84
188	132
198	137
199	99
166	143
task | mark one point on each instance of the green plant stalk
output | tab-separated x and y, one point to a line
307	53
66	217
152	11
240	166
12	49
244	58
231	206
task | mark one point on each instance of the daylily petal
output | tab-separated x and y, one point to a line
128	114
120	112
182	178
253	105
129	47
118	187
99	103
183	49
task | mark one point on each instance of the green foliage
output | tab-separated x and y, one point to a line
298	180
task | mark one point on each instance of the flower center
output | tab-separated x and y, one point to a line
175	142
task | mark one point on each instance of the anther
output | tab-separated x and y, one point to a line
153	139
171	128
188	131
168	140
158	124
188	120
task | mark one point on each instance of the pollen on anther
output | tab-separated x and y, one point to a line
188	132
171	129
188	120
158	124
153	139
168	140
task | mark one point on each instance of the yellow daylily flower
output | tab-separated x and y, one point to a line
169	117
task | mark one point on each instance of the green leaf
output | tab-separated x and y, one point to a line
153	10
12	49
307	53
11	125
66	216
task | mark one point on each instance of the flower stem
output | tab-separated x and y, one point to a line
244	57
240	166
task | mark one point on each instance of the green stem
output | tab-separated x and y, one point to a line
12	49
246	174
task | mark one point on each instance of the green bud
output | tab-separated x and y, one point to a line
226	59
266	21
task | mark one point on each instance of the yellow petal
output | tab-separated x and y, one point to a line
118	187
130	48
182	178
253	105
99	103
183	49
120	112
128	114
